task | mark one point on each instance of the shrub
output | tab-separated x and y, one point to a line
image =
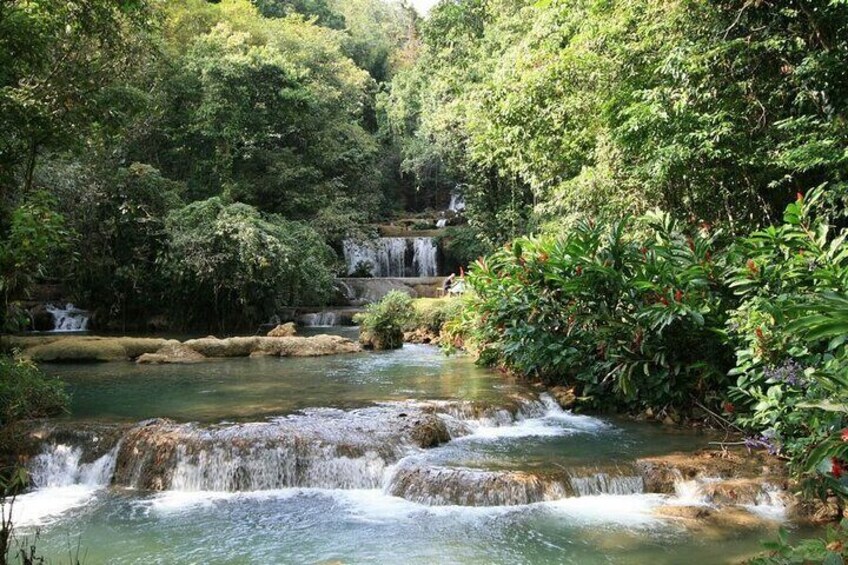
632	322
26	392
790	333
34	234
832	549
382	324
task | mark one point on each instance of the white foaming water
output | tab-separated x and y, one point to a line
770	504
59	466
691	493
68	319
440	223
634	510
545	419
457	202
62	483
603	483
392	256
259	467
376	507
320	319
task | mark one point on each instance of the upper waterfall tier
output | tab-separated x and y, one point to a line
392	257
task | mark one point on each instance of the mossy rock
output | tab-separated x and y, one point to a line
84	349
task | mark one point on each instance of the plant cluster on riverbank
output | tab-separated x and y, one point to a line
650	314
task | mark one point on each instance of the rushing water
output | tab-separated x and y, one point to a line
68	319
335	460
393	256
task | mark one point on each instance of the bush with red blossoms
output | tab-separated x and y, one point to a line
790	331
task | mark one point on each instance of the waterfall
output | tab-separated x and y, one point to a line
259	467
320	319
68	319
59	465
441	223
457	202
606	483
392	256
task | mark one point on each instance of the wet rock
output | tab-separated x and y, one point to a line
369	291
713	523
564	396
684	512
87	349
662	473
380	341
90	349
283	330
176	353
321	448
439	486
227	347
314	346
814	511
430	432
420	335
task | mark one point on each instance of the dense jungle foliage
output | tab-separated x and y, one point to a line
333	114
192	159
660	187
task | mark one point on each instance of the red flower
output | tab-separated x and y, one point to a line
664	300
799	197
644	250
678	295
759	332
579	270
729	407
752	267
845	434
836	468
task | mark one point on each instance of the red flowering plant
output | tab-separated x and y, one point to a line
629	312
789	332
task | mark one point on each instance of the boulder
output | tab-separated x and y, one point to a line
172	353
228	347
283	330
48	349
420	335
314	346
81	349
91	349
564	396
379	342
